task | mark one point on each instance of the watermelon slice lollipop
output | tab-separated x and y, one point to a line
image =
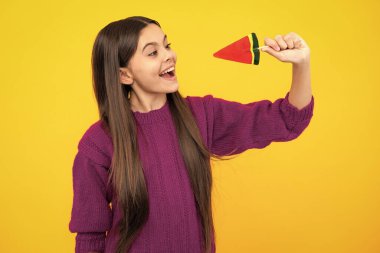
245	50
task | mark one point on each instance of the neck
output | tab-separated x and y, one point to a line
146	103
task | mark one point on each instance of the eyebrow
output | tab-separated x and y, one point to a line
153	43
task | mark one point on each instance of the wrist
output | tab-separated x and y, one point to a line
303	63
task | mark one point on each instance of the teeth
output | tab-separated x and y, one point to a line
168	70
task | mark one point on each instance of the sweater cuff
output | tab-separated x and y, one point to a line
295	115
86	242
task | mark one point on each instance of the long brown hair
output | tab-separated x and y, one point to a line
114	46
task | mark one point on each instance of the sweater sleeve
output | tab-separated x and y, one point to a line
91	214
236	127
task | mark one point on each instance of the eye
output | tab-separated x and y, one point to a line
153	53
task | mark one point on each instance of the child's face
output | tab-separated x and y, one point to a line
148	62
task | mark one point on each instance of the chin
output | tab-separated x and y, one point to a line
172	88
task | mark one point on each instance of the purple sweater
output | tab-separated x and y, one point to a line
173	225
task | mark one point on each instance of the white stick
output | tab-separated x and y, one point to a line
260	47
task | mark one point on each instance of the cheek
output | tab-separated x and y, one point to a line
149	71
150	68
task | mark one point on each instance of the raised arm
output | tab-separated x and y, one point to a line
236	127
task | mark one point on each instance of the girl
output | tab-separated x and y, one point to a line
142	177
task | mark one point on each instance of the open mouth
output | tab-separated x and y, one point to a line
168	75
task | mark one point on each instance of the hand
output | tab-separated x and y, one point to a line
288	48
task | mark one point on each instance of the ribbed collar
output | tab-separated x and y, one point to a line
158	115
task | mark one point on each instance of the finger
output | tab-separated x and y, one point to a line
281	42
273	52
289	39
272	43
298	43
297	40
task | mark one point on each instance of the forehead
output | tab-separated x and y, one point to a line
151	33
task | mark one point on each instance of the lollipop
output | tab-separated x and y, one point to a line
245	50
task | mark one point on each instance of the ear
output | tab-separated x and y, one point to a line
125	76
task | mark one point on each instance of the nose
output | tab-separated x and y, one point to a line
170	55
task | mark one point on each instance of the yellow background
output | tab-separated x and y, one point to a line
317	193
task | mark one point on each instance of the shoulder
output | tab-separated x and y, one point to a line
197	103
96	144
200	106
198	99
206	101
210	105
202	110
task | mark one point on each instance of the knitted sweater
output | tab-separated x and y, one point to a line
173	225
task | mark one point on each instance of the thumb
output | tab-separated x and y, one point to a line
271	51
